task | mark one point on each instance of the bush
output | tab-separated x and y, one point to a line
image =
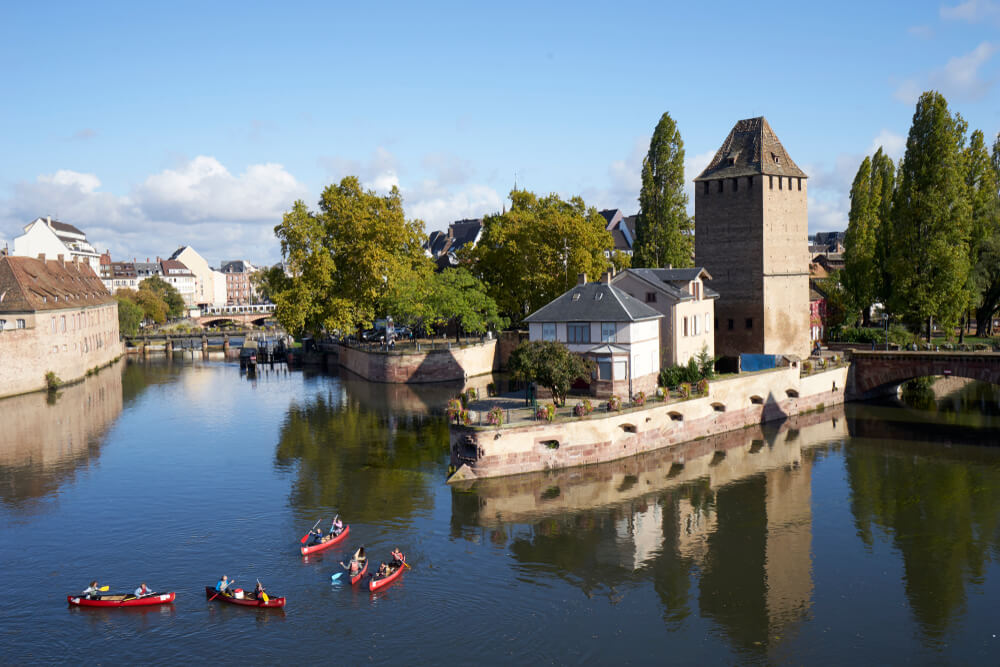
684	388
52	381
614	403
702	366
495	416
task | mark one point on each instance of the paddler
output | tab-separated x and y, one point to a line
142	590
336	526
92	592
223	585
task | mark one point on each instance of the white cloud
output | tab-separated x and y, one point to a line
380	172
972	11
437	209
959	78
826	215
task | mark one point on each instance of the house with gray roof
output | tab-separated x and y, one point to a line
599	321
442	246
45	236
622	229
686	303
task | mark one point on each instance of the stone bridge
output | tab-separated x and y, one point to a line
876	372
246	315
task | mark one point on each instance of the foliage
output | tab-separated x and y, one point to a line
268	282
546	412
52	381
807	367
583	408
455	407
663	228
614	403
344	258
684	389
532	253
706	363
495	416
839	309
702	387
859	274
172	300
130	315
700	366
455	295
550	364
639	399
931	220
983	180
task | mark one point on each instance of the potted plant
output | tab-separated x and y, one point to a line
454	409
495	416
614	403
684	389
639	399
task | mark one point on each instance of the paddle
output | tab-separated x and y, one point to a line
335	576
104	589
262	593
306	536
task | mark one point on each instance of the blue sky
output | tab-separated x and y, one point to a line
155	125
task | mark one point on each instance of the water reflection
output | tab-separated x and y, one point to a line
47	437
732	510
366	463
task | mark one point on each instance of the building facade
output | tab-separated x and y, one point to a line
239	286
55	316
686	303
45	236
603	323
751	234
205	291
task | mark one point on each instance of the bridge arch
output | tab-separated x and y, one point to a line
876	372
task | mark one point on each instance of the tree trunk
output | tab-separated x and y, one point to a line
930	327
961	329
866	316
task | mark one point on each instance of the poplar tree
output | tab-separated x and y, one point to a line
859	275
983	182
930	220
884	186
663	229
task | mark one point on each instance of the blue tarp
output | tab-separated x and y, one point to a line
757	362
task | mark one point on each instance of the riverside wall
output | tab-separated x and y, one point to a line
731	404
438	365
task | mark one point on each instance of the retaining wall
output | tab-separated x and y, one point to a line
437	365
731	404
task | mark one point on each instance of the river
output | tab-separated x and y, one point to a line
866	532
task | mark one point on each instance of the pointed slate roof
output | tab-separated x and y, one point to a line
751	148
593	302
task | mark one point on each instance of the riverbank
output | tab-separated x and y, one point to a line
730	404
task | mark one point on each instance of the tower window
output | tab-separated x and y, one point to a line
800	184
650	297
749	323
770	182
749	182
720	185
736	185
704	189
780	179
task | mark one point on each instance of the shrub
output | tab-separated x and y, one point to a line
546	412
614	403
807	367
702	387
465	418
579	410
684	389
52	381
454	409
495	416
588	406
639	399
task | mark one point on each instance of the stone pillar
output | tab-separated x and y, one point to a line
204	344
145	347
225	344
168	347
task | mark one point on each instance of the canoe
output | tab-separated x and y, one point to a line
356	578
248	601
326	545
377	582
122	600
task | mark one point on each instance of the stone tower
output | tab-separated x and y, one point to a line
751	234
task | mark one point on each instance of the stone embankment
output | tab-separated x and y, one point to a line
442	363
731	404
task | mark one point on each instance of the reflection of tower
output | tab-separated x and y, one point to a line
644	529
788	565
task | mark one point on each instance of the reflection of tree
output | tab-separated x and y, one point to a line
137	376
943	515
366	465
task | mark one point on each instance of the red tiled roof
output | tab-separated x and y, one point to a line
29	284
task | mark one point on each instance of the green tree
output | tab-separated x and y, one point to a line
532	253
167	293
267	282
663	229
883	187
839	309
983	182
930	262
859	274
344	258
153	306
130	315
461	297
550	364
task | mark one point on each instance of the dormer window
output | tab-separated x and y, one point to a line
576	296
731	162
776	158
598	296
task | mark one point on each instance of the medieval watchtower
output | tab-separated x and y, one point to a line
751	234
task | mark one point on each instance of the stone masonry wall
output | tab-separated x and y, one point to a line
79	340
438	365
731	404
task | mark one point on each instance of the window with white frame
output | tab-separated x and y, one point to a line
21	324
608	331
548	331
695	318
685	326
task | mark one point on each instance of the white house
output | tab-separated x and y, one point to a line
206	292
602	322
687	305
45	236
182	279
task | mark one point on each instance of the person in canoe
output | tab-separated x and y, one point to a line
336	526
258	591
92	592
142	590
383	570
357	562
223	585
397	558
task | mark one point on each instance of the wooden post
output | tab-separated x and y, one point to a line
225	344
168	347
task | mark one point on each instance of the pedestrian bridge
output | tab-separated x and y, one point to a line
255	314
878	371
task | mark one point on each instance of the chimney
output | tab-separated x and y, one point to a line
62	259
581	279
670	266
606	278
41	256
48	220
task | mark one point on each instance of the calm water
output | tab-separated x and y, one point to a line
866	533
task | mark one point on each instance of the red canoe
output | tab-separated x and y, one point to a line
247	601
357	577
377	582
122	600
326	545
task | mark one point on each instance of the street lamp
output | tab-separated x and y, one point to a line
885	323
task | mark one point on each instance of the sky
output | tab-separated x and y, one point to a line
156	125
